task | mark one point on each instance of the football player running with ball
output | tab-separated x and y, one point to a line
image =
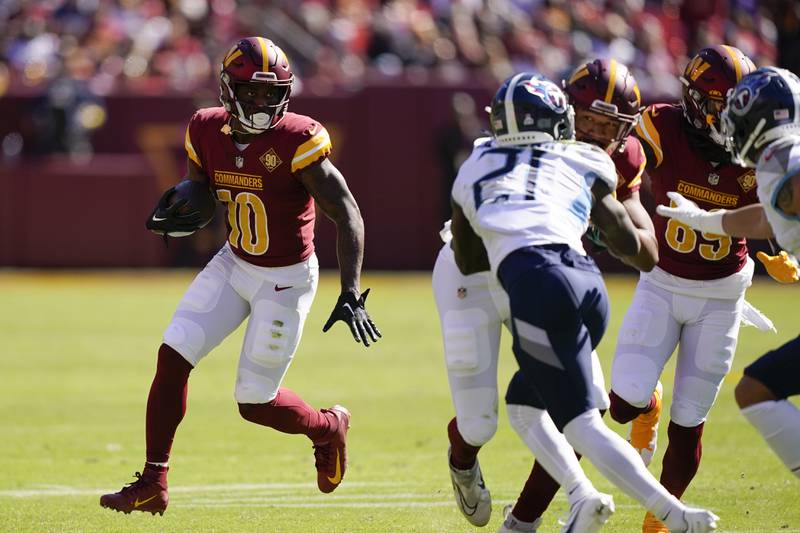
525	196
761	124
268	166
694	298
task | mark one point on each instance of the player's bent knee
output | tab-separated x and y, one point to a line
254	387
477	431
634	378
187	338
749	391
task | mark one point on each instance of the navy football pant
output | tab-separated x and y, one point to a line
779	370
559	312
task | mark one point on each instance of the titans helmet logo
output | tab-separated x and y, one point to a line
549	93
747	91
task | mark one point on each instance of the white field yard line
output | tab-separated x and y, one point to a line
63	490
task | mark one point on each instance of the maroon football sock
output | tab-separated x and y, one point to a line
462	455
166	403
623	412
682	457
288	413
536	495
156	473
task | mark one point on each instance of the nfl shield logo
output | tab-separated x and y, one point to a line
239	161
713	178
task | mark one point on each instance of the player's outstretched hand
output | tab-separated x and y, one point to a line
351	310
687	212
781	267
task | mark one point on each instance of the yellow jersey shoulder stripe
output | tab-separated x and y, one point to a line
317	146
638	178
647	131
187	143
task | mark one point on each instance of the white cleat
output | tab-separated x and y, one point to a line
699	521
472	496
512	525
588	514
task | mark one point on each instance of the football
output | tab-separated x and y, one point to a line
198	198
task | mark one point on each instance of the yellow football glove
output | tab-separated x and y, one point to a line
780	267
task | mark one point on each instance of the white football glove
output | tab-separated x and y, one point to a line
687	212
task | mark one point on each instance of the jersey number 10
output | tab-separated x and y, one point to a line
247	217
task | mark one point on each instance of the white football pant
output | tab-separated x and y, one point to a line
705	330
472	310
223	294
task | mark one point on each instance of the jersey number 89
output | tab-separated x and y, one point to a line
247	217
683	239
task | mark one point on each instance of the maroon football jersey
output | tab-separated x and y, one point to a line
270	215
630	165
673	165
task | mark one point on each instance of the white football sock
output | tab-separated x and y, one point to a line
621	465
539	433
779	424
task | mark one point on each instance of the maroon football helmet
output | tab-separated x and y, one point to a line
255	83
607	102
706	81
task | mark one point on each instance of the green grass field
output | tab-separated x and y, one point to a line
77	353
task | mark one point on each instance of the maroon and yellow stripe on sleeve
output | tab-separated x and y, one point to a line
314	148
190	151
647	132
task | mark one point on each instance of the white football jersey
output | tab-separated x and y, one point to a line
779	161
518	196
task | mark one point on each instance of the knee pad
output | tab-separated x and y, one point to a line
478	430
252	387
187	338
634	378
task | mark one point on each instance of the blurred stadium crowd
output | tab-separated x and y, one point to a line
73	53
155	45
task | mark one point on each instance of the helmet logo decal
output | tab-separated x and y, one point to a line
696	68
550	94
747	92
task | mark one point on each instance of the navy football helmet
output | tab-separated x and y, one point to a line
762	107
529	108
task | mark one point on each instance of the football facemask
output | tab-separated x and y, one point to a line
255	84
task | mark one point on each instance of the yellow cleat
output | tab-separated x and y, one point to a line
644	429
652	524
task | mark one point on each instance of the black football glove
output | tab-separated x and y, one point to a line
352	311
166	220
